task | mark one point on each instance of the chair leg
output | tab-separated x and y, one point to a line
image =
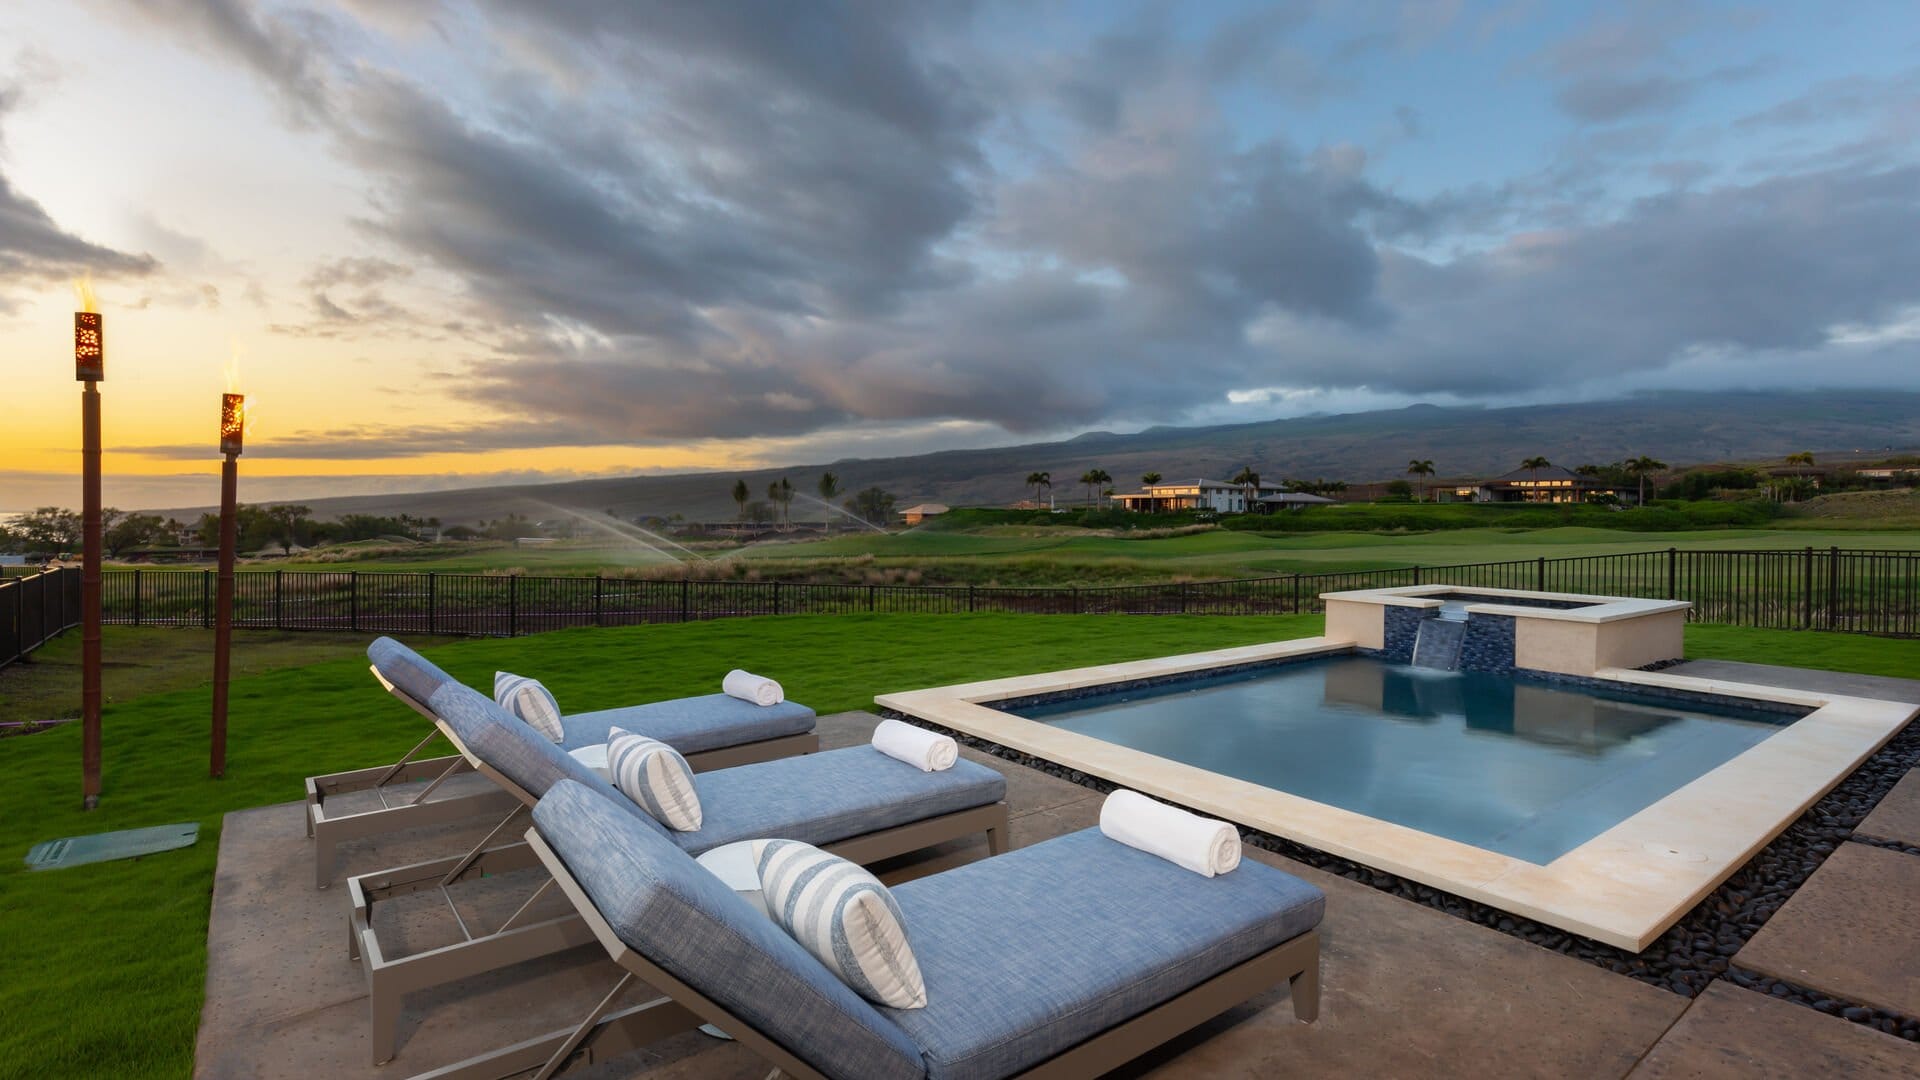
323	857
1305	990
384	1033
997	840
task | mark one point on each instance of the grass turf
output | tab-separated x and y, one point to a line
1063	555
108	961
142	661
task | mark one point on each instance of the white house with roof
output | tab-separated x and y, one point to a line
1175	496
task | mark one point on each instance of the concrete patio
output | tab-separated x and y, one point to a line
1407	990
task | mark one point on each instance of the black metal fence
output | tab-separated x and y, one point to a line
1871	592
35	608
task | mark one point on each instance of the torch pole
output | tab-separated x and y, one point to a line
90	594
223	608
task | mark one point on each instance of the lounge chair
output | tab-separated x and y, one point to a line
856	802
714	731
1064	959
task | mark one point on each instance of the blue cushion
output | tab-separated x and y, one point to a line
1032	952
831	796
407	669
521	754
670	910
692	724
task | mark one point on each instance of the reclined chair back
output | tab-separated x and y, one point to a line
509	752
406	674
678	927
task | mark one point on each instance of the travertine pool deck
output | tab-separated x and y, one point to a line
1407	990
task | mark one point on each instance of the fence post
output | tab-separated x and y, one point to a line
206	599
1184	588
278	622
872	599
598	581
1296	592
1833	586
683	599
137	612
1416	575
353	600
776	598
1673	573
1540	577
433	604
969	598
513	605
1075	591
1806	589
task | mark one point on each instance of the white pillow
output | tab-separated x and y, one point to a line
734	865
528	700
654	775
844	917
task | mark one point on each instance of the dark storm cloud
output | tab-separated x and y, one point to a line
1771	266
687	221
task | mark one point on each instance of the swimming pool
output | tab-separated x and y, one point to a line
1449	794
1527	768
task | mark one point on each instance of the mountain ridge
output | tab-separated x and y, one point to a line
1680	428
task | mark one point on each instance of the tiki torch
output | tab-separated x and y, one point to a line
89	367
233	424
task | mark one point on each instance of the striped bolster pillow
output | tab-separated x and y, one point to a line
530	701
844	917
654	775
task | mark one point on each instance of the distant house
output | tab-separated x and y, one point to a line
1289	500
1176	496
914	515
1548	485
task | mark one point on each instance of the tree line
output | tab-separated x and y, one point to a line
872	505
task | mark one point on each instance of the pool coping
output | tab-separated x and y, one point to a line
1624	887
1598	609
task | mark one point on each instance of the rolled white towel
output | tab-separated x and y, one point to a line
750	687
593	757
916	746
1199	844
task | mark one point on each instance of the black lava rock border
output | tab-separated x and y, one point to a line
1696	950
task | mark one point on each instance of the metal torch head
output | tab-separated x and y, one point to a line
89	347
233	422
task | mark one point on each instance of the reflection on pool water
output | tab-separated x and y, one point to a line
1531	769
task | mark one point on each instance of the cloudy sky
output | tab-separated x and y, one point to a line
456	241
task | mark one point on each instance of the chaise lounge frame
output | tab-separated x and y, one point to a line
391	978
605	1033
328	830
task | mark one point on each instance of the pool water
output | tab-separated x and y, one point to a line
1527	768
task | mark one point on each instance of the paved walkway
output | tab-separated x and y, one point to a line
1877	687
1407	990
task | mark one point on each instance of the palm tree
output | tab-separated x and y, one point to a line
780	493
829	486
1640	468
1038	480
1533	465
741	493
1804	457
1249	480
1421	467
1100	480
1149	479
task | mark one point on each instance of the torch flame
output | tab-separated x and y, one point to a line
83	292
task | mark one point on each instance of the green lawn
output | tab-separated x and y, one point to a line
1031	556
106	962
138	662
